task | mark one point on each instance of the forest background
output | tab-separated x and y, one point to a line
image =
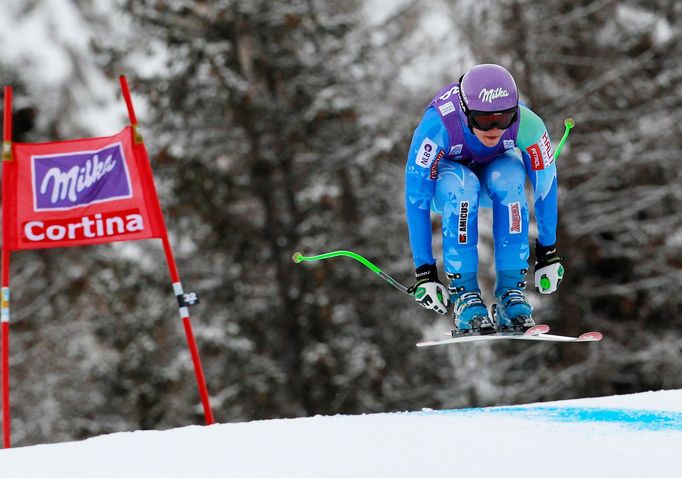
277	126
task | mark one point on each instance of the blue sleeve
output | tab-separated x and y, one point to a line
430	140
534	142
546	210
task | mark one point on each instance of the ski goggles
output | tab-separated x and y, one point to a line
486	120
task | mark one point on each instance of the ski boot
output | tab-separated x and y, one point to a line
512	312
470	312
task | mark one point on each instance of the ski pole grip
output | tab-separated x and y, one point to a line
569	123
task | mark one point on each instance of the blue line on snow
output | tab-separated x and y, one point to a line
652	420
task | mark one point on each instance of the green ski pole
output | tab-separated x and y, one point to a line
569	123
298	257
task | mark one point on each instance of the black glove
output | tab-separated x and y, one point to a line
429	292
548	268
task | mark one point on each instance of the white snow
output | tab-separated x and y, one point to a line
621	436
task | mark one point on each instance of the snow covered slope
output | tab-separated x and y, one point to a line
624	436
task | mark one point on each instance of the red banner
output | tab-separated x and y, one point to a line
79	192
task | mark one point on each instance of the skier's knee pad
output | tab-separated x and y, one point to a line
505	178
455	183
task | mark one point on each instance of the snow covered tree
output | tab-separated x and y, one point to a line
282	126
83	320
612	66
278	130
275	129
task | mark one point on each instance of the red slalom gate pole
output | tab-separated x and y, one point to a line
6	429
174	274
4	308
187	324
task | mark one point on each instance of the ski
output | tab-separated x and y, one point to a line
538	332
532	332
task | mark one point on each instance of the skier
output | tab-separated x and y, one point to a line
473	148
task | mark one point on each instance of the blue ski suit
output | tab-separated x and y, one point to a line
449	171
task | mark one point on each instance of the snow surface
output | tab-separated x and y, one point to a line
621	436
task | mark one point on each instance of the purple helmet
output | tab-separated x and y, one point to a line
488	87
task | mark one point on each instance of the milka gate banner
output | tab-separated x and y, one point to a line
77	193
81	192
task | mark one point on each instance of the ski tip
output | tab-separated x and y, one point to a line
590	337
297	257
426	344
537	330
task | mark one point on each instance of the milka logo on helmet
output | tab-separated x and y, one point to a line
69	180
487	96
